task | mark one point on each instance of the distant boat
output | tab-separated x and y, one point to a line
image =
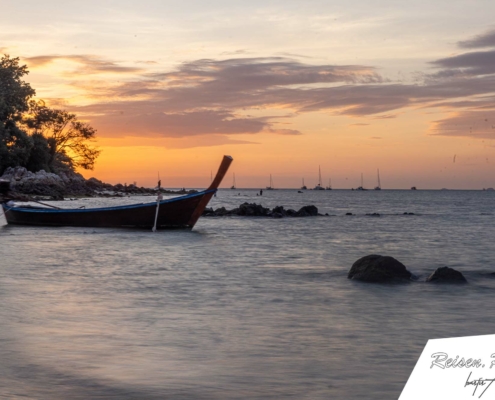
233	183
329	187
319	187
379	187
414	188
362	184
271	184
303	187
489	189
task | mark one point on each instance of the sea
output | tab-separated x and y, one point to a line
243	307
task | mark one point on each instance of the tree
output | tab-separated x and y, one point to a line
41	154
56	142
15	144
69	139
14	92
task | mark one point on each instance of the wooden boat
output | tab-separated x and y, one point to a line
178	212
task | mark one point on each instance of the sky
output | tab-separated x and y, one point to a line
284	87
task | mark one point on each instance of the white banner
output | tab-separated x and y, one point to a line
454	369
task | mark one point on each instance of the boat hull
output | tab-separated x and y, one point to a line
172	213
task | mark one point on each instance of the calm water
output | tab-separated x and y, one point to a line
242	308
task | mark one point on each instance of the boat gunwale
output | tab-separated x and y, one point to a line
103	209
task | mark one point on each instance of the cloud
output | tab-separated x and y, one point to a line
232	96
386	116
473	124
194	123
87	64
149	62
474	63
484	40
208	96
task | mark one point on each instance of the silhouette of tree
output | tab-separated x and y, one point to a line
69	139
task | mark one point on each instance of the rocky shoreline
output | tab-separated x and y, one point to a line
45	185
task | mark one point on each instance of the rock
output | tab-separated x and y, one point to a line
307	211
373	215
279	210
253	210
376	268
221	211
446	275
348	214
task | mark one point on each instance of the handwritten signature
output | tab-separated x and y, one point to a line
480	382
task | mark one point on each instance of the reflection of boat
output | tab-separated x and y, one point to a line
362	184
233	183
379	186
303	187
329	187
413	188
271	184
178	212
319	187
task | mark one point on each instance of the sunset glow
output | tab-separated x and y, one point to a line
283	87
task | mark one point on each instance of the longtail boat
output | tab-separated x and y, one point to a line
178	212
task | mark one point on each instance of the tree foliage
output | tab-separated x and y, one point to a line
35	136
14	92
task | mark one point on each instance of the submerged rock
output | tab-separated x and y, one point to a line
446	275
377	268
307	211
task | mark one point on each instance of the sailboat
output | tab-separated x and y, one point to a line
271	184
379	187
319	187
303	187
362	184
233	183
329	187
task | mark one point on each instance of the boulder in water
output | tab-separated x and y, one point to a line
307	211
377	268
446	275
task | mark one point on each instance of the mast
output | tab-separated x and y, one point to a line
362	182
378	174
319	175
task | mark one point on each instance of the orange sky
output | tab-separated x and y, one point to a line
283	88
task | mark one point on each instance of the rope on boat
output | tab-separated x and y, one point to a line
158	199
